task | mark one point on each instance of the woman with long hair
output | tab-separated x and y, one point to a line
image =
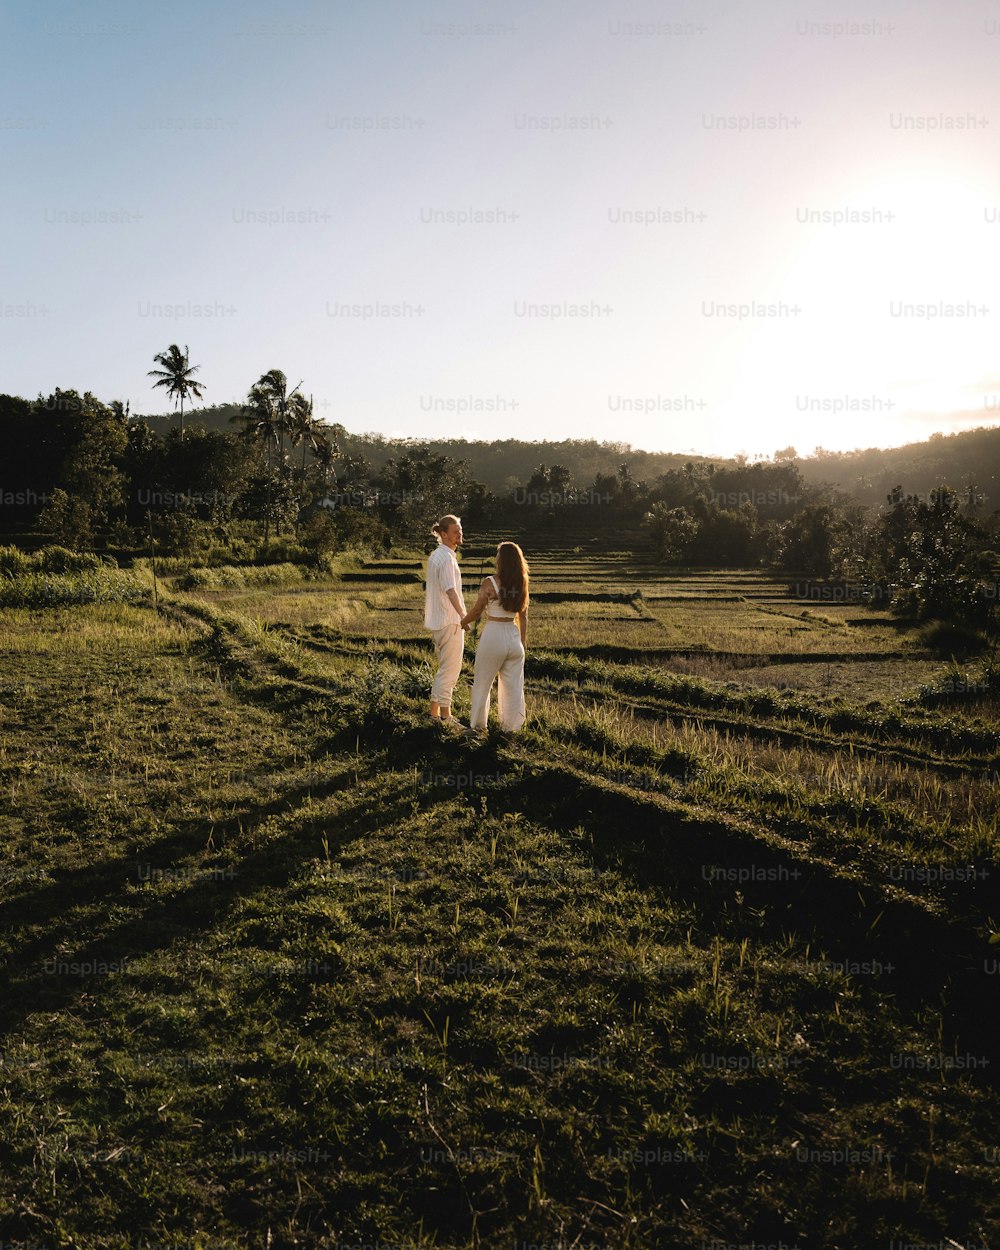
500	653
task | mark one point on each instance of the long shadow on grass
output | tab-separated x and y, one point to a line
739	880
155	924
737	726
659	655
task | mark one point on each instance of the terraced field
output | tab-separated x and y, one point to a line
702	957
721	624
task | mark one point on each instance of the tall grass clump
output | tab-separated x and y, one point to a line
959	685
14	561
53	590
233	577
55	576
377	693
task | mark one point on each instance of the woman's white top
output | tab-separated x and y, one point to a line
504	617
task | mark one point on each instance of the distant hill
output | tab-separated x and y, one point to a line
499	464
967	459
214	417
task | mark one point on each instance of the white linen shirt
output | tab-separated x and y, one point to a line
443	574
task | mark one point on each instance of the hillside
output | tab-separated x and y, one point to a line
494	463
971	457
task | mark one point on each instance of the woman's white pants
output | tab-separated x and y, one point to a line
499	655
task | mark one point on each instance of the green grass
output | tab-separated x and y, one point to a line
233	576
688	959
54	576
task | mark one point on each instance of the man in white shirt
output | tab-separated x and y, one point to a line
444	608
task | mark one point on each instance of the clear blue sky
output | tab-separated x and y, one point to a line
652	167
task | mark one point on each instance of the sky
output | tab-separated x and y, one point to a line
705	226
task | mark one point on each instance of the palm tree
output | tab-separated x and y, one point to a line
326	453
176	377
260	418
271	412
284	402
305	429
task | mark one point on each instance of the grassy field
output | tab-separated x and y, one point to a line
701	958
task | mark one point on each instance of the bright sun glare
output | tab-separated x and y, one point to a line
863	337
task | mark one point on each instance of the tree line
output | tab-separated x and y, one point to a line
88	474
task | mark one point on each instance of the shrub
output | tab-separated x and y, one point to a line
320	537
67	518
125	536
282	551
951	639
371	702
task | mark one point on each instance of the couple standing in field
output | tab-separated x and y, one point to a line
503	595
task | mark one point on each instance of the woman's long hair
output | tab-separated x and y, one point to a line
512	577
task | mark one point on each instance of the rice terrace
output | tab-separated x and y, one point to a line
702	957
524	774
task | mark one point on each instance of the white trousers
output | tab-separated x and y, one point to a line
499	655
449	643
